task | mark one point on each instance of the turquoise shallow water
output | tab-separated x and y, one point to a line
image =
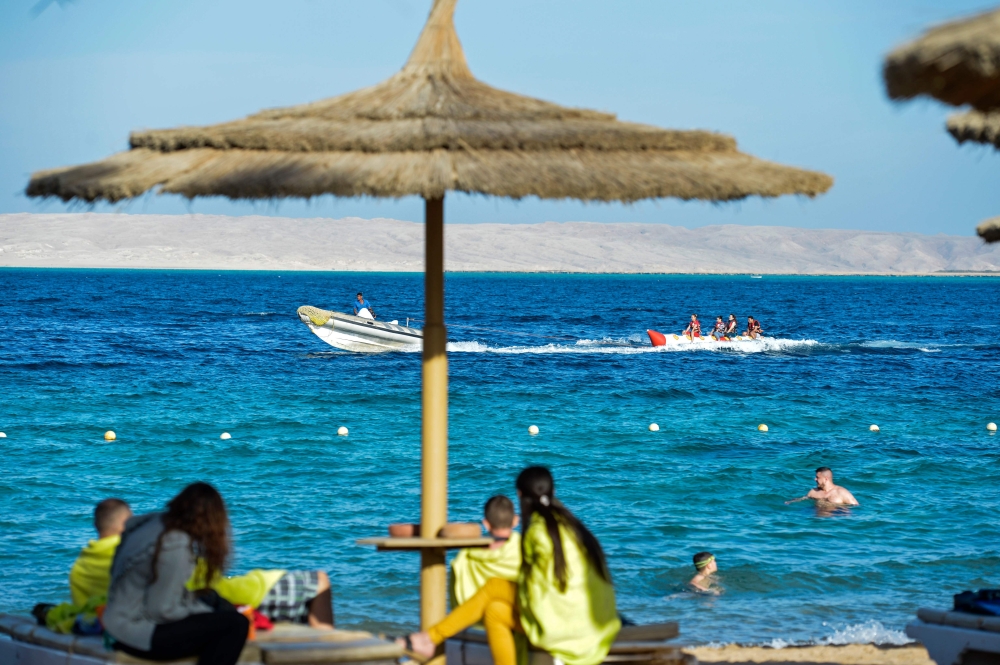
169	360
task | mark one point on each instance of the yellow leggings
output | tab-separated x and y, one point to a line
495	606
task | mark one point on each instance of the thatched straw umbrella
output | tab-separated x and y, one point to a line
976	127
429	129
959	64
990	230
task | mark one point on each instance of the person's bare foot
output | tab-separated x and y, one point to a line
320	625
420	643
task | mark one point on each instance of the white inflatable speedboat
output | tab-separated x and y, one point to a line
358	333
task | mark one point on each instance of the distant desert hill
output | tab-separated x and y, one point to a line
92	240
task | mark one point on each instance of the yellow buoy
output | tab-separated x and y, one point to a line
873	428
653	427
991	427
533	430
110	436
342	431
762	427
225	435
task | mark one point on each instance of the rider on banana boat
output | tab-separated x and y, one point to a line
694	328
719	329
753	328
731	325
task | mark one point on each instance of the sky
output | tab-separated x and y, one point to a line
795	82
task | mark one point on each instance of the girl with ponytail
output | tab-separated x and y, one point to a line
563	601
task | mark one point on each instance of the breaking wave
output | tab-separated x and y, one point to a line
869	632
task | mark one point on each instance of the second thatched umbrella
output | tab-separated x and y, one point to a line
429	129
957	63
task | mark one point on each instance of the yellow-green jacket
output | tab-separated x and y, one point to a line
248	589
578	625
90	577
472	568
91	573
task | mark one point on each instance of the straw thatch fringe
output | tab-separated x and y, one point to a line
976	126
321	135
429	129
990	230
958	63
581	174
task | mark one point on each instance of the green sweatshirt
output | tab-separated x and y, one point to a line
578	625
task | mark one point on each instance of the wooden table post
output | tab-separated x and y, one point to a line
434	432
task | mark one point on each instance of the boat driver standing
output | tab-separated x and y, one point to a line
362	308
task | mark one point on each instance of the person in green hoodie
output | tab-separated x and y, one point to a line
473	568
91	572
563	601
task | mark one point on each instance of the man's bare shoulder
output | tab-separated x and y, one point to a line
843	495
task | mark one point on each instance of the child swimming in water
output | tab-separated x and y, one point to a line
705	565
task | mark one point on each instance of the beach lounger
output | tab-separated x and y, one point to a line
293	644
635	645
957	638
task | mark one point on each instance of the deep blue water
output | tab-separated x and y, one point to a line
169	360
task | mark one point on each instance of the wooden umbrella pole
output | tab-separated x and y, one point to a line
434	433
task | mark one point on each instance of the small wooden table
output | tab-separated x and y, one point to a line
388	544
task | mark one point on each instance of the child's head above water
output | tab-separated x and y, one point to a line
110	516
499	517
704	563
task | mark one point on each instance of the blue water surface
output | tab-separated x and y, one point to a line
170	359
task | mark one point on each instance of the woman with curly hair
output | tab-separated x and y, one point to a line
562	602
150	612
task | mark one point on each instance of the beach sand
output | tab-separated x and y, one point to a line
847	654
217	242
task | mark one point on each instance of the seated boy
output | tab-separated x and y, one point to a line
472	568
91	572
704	564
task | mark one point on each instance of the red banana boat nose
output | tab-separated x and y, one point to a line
658	339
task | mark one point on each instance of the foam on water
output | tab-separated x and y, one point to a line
869	632
631	346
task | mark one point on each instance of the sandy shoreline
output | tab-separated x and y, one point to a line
847	654
216	242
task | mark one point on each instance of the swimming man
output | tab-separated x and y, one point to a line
826	492
362	304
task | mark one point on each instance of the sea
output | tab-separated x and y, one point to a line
170	360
